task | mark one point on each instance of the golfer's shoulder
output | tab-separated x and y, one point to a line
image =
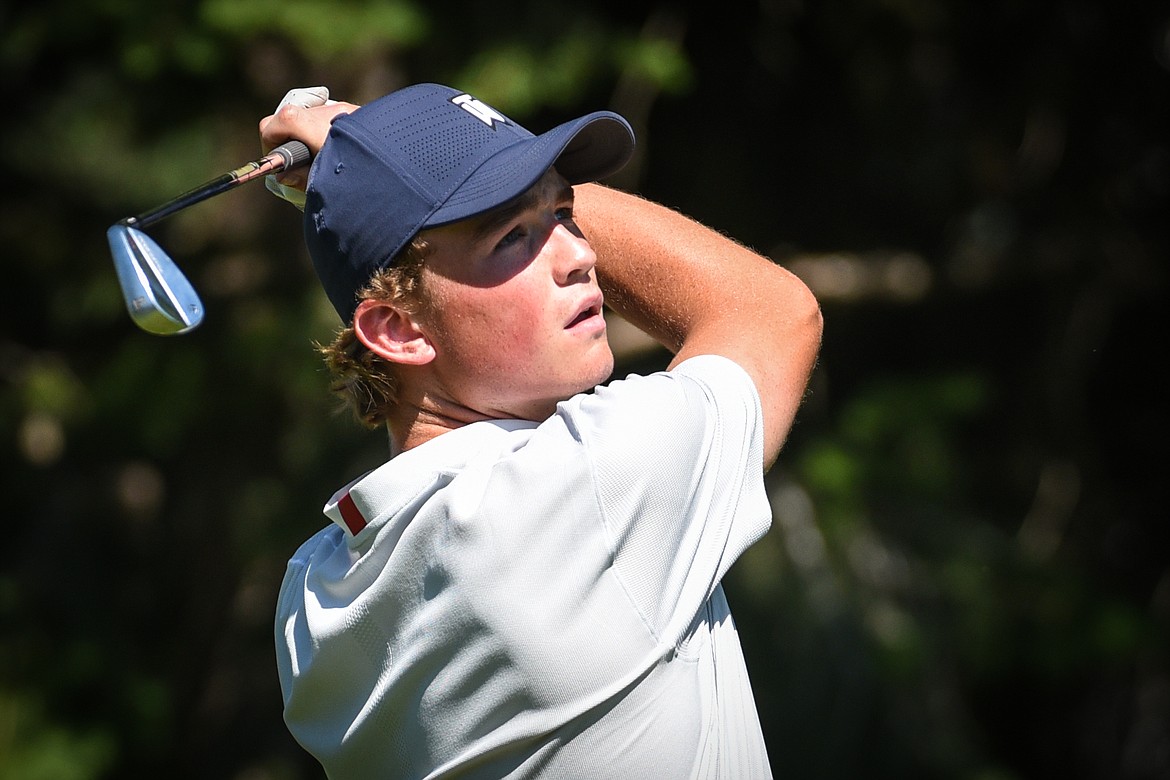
707	379
322	543
643	411
714	369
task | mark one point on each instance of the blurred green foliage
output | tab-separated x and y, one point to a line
969	571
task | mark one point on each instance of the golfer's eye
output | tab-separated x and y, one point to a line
511	237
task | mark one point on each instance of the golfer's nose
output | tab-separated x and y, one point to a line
574	257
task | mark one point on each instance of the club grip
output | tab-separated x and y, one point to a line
293	153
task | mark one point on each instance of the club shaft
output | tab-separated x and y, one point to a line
284	157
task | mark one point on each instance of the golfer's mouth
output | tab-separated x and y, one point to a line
589	311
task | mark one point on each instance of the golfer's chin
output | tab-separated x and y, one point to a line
600	366
594	372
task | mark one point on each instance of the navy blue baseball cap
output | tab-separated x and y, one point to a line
430	155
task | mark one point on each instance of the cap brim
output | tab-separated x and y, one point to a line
586	149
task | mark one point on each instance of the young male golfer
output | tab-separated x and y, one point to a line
530	585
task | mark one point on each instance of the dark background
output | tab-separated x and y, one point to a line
969	572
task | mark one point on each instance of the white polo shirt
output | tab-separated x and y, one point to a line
520	600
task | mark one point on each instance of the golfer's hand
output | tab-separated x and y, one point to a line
306	115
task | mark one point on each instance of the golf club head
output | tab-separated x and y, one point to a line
157	294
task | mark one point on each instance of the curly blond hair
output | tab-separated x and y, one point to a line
366	382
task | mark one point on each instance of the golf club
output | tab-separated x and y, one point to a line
158	296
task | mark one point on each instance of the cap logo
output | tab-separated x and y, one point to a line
480	110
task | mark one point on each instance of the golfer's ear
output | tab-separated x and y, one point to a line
392	333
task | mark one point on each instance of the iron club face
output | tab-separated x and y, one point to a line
158	296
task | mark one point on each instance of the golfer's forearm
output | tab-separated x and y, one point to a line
698	292
643	265
675	278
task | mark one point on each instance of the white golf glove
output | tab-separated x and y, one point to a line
305	97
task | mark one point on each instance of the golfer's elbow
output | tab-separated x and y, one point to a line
796	326
811	322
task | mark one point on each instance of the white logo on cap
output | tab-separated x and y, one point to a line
480	110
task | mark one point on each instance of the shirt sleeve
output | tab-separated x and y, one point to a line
678	464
